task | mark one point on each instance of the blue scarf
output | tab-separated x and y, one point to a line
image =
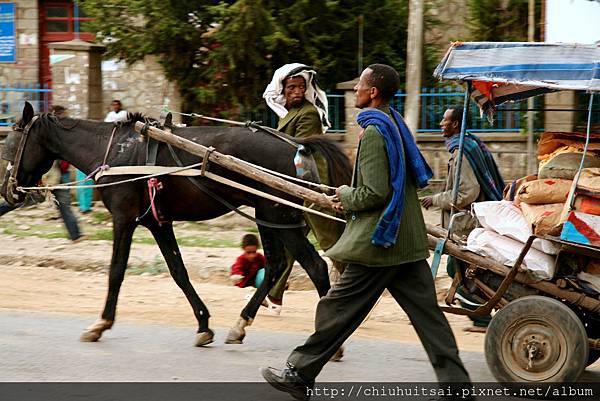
483	165
399	143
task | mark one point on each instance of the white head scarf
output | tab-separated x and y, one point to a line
276	100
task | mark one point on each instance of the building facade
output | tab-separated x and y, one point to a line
31	64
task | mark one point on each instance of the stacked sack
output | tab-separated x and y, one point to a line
502	235
542	202
560	154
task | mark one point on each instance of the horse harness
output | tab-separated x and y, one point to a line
13	165
154	186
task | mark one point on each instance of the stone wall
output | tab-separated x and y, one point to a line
141	87
77	79
26	69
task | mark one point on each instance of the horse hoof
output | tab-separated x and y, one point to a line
235	336
339	354
90	336
204	338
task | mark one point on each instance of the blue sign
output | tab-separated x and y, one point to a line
8	36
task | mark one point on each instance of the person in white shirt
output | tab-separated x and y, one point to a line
116	113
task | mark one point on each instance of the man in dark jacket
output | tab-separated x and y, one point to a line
385	244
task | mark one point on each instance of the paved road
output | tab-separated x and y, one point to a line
45	348
42	347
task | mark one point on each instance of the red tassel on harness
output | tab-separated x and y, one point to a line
153	187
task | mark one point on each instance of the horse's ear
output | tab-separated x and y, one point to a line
169	120
27	113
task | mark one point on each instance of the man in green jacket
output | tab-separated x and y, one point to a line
302	109
388	253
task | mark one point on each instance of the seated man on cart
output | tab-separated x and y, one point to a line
480	180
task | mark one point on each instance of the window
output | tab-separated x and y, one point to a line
60	18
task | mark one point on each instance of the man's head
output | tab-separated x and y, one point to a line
116	106
294	89
451	121
377	85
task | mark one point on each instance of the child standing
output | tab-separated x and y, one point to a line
249	267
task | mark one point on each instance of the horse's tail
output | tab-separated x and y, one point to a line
338	163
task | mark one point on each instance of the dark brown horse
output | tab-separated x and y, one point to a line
84	143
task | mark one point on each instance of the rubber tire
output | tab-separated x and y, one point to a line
593	357
554	312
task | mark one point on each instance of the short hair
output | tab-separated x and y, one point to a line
385	78
249	240
117	101
457	113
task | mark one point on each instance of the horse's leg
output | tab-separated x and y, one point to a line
276	262
308	257
122	234
165	238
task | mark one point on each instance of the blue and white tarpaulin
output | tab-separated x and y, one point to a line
501	71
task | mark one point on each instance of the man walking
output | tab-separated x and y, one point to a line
480	180
384	244
301	105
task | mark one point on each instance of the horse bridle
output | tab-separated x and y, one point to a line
13	165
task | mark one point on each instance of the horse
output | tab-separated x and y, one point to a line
88	144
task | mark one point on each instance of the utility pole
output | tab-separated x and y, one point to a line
361	30
531	154
414	63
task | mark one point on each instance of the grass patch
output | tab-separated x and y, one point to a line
100	217
154	267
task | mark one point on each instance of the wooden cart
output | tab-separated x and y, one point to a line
542	330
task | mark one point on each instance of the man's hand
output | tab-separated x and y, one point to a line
236	278
334	202
427	202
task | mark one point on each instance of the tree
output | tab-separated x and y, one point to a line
499	21
223	54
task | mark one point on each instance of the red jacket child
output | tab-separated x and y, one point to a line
247	268
247	265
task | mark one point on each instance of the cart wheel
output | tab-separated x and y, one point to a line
593	357
536	339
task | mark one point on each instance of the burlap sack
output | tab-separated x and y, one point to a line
566	165
545	219
540	192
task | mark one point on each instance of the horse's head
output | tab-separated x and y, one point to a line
28	158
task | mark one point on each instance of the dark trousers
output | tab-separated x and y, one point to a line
63	197
349	301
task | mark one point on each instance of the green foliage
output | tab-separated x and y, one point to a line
499	21
223	54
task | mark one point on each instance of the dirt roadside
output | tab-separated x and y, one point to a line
52	275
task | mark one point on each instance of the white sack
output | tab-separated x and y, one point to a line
506	219
506	251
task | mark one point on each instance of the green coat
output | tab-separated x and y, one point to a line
365	202
301	122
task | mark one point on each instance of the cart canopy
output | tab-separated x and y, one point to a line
501	71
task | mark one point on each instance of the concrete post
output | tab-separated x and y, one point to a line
414	62
350	111
77	78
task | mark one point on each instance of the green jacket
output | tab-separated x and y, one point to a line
365	202
301	122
